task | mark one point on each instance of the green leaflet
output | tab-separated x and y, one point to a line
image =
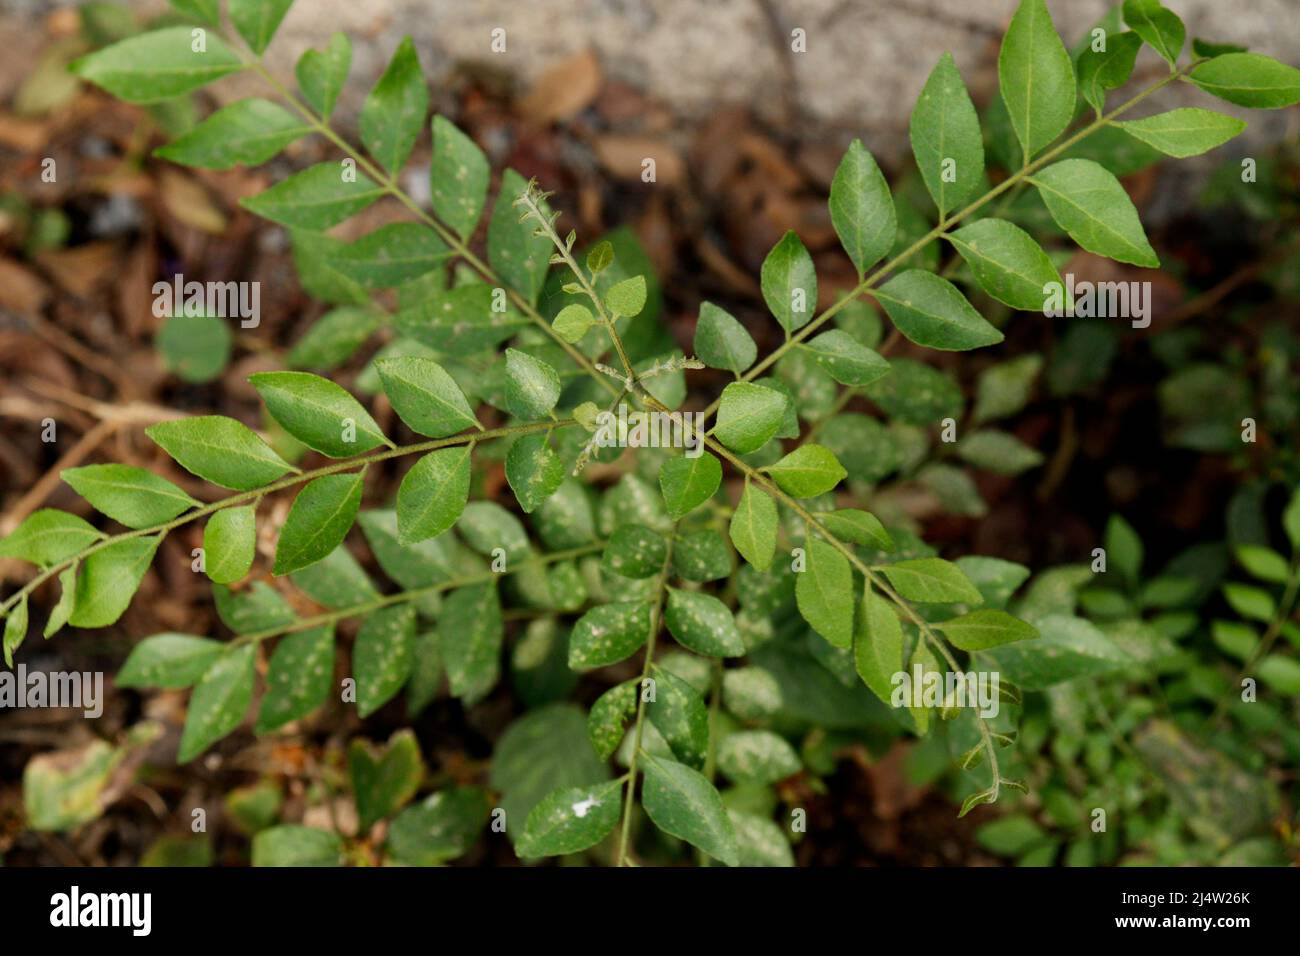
1007	263
169	660
15	631
758	757
627	297
1067	648
390	255
634	551
336	581
381	656
470	632
999	452
245	133
808	471
48	536
294	845
1249	79
298	679
257	20
571	820
319	519
1090	204
681	802
393	114
688	482
1158	26
608	633
321	74
721	341
67	603
425	397
334	338
533	470
229	544
702	556
157	66
680	716
946	139
319	413
703	623
857	527
749	416
433	494
195	348
383	780
257	608
317	198
824	593
440	828
609	715
520	257
1184	132
1005	388
133	496
931	581
930	311
573	322
532	386
789	283
205	11
753	527
109	579
219	701
458	178
459	321
877	644
224	451
985	628
862	211
1107	69
1036	78
847	360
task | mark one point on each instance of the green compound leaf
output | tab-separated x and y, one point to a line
1036	78
317	198
808	471
687	482
608	634
1089	203
157	66
753	527
48	536
257	20
571	820
322	74
1158	26
245	133
930	311
789	283
1184	132
721	341
824	593
230	544
681	802
946	139
433	494
985	628
532	386
703	623
219	701
932	581
458	178
393	114
1007	263
318	521
224	451
749	416
298	679
1249	79
862	210
319	413
381	656
172	661
425	396
133	496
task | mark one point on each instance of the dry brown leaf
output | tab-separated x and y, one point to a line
563	91
81	269
623	156
190	203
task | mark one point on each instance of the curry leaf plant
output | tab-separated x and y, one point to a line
728	593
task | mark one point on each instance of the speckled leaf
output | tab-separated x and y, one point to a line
703	623
609	716
433	494
470	633
317	198
681	802
393	114
384	779
381	656
219	701
299	677
229	544
571	820
533	470
520	257
757	756
608	633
